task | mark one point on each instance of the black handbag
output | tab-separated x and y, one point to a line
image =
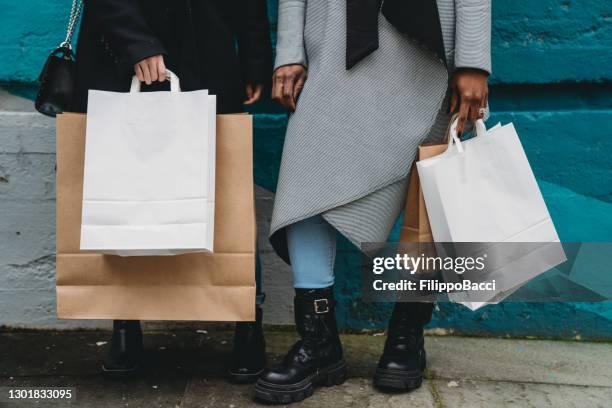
57	78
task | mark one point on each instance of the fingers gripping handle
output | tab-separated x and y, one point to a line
481	128
452	136
175	85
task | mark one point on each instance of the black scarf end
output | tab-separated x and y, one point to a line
354	56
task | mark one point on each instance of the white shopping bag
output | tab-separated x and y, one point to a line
149	177
483	192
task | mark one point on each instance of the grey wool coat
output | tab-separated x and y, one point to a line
351	142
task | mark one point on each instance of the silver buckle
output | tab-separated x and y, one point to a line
321	306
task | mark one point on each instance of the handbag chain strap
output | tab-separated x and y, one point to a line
75	12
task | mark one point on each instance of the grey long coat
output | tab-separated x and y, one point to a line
352	139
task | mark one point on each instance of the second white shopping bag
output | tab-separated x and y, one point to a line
482	193
149	177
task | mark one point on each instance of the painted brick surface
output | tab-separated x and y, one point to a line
535	41
552	78
567	147
543	41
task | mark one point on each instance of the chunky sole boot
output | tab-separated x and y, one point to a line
399	380
123	358
248	359
331	375
401	365
121	373
316	359
242	378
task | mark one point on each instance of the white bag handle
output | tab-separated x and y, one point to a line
481	130
175	85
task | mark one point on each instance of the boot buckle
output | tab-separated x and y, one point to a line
321	306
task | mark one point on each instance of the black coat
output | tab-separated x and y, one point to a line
220	45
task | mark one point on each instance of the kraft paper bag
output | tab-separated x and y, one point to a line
149	179
415	225
216	286
483	192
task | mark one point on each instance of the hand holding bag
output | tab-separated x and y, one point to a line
415	225
482	191
149	173
208	286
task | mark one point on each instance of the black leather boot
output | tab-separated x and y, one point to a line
123	358
314	360
403	360
249	353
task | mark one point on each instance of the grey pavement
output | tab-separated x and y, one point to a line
185	368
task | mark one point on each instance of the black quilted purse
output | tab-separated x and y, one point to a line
57	79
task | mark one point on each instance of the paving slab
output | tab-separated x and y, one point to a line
354	393
486	394
553	362
186	368
98	392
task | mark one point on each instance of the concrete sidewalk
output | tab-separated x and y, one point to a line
185	369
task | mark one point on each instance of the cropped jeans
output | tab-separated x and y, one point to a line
312	250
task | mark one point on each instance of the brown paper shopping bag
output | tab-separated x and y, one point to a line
415	226
217	286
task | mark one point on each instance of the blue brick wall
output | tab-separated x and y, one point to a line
552	62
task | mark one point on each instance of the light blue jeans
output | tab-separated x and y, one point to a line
312	251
